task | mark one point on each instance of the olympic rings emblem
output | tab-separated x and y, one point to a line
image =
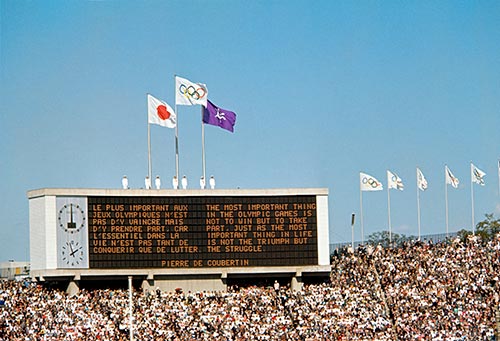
479	177
192	92
371	182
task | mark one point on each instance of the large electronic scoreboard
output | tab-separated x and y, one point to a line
177	229
199	231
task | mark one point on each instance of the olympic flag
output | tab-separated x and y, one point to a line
369	183
216	116
160	113
422	186
477	175
421	181
450	178
394	181
189	93
366	183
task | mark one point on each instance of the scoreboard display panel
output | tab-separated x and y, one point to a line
201	231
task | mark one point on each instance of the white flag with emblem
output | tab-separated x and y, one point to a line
369	183
450	178
189	93
394	181
421	181
477	175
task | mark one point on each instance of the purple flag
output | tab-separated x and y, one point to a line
219	117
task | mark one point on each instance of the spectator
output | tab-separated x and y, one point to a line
421	291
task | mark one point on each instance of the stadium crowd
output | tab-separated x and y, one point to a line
418	291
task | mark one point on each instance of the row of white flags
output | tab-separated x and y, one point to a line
370	183
186	93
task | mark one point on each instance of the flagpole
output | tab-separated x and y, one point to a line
472	198
361	210
176	134
446	196
149	148
203	145
130	309
498	177
352	231
389	212
177	145
418	207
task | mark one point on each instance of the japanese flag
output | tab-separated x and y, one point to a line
160	113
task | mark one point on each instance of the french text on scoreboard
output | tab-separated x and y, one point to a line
195	232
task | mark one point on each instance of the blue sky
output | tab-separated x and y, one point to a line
322	90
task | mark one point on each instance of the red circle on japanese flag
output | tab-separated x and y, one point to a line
162	112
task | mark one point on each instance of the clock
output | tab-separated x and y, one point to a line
71	218
72	253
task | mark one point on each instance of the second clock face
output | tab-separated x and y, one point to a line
71	218
72	253
71	227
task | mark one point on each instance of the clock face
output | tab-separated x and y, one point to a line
71	218
72	253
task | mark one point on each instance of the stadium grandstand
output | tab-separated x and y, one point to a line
419	290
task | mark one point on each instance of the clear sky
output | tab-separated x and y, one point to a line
322	90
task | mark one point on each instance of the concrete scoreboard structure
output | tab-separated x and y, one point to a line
168	239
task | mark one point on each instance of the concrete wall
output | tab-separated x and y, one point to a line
188	283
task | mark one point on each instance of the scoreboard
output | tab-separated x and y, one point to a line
127	232
114	230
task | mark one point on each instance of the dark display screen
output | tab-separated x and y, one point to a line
195	232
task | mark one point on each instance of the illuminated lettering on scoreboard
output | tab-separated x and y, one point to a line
182	232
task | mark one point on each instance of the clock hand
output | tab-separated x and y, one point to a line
71	248
75	251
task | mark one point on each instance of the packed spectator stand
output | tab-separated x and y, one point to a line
418	291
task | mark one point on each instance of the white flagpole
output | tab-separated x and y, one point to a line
203	145
352	231
149	148
389	211
418	207
130	307
472	197
352	237
498	177
446	196
176	134
177	144
361	210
